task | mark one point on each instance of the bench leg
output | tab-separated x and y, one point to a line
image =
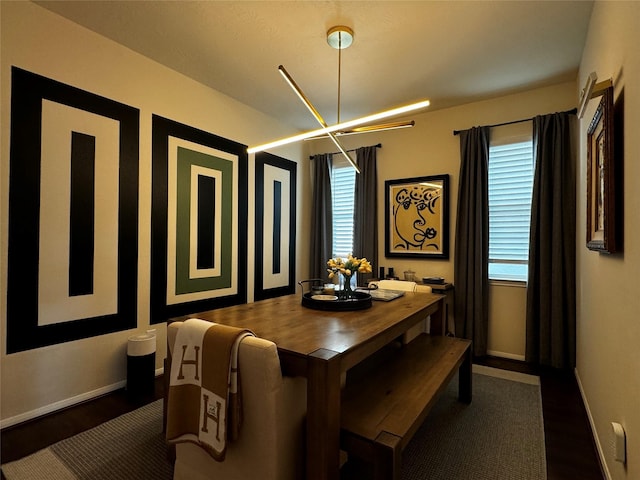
465	390
387	461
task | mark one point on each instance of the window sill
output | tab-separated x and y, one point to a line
507	283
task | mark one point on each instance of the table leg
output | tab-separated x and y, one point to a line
437	325
323	415
465	385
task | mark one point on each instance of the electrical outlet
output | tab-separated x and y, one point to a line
619	443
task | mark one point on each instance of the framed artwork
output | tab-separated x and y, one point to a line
601	175
198	221
275	262
72	265
417	217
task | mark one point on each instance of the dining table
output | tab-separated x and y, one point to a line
322	345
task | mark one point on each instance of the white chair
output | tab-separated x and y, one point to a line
271	442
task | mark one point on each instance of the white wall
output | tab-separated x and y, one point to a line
608	352
430	148
507	320
37	381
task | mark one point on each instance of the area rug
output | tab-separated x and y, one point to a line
129	447
500	435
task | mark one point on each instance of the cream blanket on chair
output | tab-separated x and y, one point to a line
203	404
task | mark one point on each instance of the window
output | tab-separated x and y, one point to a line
343	178
510	190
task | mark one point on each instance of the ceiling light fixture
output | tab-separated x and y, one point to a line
340	37
341	126
317	115
369	128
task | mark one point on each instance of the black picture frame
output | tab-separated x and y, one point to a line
417	217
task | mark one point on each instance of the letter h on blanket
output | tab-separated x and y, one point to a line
195	362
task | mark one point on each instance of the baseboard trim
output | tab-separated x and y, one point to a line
506	374
67	402
510	356
601	458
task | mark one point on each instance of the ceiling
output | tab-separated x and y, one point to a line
450	52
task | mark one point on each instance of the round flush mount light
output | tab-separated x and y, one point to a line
340	37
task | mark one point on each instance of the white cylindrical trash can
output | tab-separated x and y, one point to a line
141	364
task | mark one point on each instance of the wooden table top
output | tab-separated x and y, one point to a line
302	331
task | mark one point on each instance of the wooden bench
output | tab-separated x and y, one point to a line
384	403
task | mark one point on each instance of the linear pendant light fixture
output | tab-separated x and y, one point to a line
369	128
394	112
340	37
317	115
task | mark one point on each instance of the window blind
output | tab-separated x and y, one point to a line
510	190
342	187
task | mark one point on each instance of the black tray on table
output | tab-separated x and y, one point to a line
360	301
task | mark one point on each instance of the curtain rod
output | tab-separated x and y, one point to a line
572	111
379	145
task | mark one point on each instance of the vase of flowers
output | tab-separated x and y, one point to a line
347	272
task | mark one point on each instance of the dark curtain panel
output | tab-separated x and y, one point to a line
321	216
551	291
471	265
365	210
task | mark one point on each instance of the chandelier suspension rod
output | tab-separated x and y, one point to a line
339	71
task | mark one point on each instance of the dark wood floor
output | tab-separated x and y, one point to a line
29	437
570	450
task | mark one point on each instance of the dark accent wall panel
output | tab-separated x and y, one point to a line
48	135
206	224
191	166
275	226
82	214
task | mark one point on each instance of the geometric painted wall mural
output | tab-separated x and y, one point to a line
198	221
275	231
73	214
